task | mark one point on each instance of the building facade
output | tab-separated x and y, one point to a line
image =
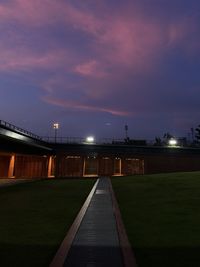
25	156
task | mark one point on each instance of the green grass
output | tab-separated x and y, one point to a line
35	217
161	214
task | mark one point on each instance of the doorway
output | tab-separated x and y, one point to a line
90	166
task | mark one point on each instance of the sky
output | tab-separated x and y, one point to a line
95	66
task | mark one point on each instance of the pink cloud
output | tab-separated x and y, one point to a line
16	59
179	30
124	40
83	107
32	12
121	39
90	68
37	12
120	44
78	94
129	41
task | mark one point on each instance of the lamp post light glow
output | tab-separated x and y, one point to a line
90	139
56	127
173	142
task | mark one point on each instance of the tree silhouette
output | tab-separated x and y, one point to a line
158	141
167	136
197	133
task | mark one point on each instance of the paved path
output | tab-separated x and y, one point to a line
96	243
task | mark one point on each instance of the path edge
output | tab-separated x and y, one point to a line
61	254
126	249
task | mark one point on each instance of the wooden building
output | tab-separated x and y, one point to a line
118	160
23	155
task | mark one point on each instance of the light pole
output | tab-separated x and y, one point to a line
56	126
126	131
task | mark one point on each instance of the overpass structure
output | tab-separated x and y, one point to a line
25	155
22	153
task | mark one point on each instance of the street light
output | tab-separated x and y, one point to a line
56	127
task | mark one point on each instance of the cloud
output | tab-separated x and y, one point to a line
91	68
83	107
25	59
120	41
81	96
93	60
31	12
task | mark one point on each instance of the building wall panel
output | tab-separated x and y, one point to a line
31	166
4	165
171	163
69	166
132	166
91	166
105	166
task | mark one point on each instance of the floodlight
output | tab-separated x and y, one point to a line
90	139
56	125
173	142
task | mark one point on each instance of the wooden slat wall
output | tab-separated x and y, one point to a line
4	165
31	166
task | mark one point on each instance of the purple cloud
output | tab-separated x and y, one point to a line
83	57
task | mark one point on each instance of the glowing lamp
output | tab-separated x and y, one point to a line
56	125
90	139
173	142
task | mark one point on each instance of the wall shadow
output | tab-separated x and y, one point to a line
15	255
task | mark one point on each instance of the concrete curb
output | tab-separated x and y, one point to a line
59	259
127	253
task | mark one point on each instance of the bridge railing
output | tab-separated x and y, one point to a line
19	130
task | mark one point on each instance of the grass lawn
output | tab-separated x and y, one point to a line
161	214
35	217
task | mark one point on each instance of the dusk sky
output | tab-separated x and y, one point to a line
96	65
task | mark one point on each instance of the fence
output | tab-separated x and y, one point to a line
18	129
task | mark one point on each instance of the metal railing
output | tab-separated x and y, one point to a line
113	141
81	140
78	140
19	130
102	141
67	140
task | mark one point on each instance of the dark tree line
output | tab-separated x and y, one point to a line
197	133
195	138
163	141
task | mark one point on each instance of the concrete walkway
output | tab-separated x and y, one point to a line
96	243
